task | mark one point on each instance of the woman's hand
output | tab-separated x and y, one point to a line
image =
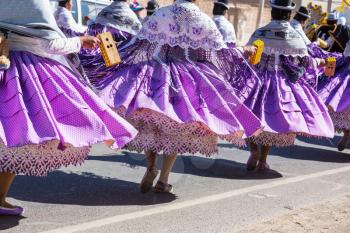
249	50
321	62
89	42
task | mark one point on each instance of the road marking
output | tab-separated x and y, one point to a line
190	203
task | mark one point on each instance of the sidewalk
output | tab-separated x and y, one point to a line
330	217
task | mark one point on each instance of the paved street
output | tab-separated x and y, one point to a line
211	194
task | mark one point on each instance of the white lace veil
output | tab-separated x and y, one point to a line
29	17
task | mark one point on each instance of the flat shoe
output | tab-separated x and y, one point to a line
147	180
252	163
263	166
16	211
163	188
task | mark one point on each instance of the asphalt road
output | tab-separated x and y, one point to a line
211	194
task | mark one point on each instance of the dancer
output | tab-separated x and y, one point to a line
225	27
48	117
137	8
170	87
152	6
118	19
334	91
286	104
65	20
334	34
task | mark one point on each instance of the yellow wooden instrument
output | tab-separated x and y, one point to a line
330	66
323	44
256	57
109	49
4	53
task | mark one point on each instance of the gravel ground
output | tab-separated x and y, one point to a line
332	216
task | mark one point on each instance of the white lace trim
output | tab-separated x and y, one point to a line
286	51
182	24
341	120
159	133
274	139
39	159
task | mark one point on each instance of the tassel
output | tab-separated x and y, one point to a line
4	53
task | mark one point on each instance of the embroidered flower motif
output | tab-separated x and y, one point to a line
172	41
152	37
174	28
184	40
197	30
153	25
177	9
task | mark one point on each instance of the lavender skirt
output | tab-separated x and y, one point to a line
316	52
49	119
335	93
287	109
177	106
92	60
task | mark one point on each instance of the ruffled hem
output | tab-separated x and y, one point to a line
274	139
341	120
160	133
40	159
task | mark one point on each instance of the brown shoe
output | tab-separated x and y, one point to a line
343	143
147	180
163	188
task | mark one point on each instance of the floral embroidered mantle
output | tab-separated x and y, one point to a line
182	24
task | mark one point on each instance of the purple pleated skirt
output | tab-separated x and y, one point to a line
335	92
49	119
287	109
177	106
316	52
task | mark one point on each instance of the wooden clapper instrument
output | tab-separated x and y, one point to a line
109	49
331	63
256	57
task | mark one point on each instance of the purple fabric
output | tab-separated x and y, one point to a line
317	52
185	92
42	101
335	91
287	105
92	60
239	73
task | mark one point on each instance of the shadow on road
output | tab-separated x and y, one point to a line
311	154
195	165
8	222
82	189
333	143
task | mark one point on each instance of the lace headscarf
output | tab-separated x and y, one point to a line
119	15
29	17
280	38
182	24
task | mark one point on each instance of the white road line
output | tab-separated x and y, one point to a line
190	203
